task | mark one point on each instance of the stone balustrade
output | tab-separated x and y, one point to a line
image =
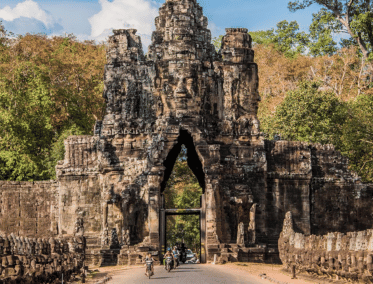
40	260
347	256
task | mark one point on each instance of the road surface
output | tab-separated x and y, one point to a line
187	273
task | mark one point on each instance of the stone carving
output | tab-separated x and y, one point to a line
252	226
342	255
41	266
126	237
79	227
241	234
114	242
105	238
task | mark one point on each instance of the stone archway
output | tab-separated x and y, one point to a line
195	165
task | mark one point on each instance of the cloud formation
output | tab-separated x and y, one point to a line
25	25
124	14
27	9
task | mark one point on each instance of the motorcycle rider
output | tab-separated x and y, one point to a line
150	258
168	253
175	253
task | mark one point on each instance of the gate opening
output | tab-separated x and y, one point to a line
182	219
184	230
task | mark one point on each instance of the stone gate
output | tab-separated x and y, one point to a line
183	92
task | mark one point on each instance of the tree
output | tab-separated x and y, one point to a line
49	88
354	16
286	38
309	115
322	28
216	41
25	122
357	136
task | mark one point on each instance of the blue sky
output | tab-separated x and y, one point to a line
94	19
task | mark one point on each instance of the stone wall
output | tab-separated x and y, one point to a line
29	208
183	92
40	260
347	255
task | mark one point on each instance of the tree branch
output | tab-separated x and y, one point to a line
362	140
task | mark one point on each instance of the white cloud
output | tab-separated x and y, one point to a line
124	14
215	30
27	9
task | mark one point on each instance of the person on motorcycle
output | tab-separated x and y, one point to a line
175	253
150	258
168	253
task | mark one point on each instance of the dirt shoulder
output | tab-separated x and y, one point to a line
276	274
96	274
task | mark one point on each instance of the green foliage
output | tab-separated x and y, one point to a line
263	37
310	115
355	19
286	38
216	41
307	114
49	88
26	129
182	192
323	25
357	136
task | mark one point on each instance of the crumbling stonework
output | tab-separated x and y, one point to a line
40	260
339	255
184	92
29	208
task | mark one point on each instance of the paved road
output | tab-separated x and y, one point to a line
185	274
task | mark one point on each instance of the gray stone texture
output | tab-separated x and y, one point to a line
184	92
40	260
348	256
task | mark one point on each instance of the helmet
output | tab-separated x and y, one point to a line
169	249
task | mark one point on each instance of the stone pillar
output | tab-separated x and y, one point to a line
154	187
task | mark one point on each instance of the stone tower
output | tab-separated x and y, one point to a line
184	92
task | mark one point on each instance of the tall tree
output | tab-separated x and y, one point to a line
355	17
286	38
49	88
357	136
322	28
308	114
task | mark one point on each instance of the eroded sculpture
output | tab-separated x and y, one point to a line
337	255
21	263
184	92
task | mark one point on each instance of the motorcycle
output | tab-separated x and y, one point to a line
183	256
169	263
149	264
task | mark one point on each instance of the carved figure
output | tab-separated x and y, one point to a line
252	226
105	239
79	227
125	237
114	242
241	234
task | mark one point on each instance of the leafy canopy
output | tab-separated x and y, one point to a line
49	88
286	38
354	17
309	115
357	136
